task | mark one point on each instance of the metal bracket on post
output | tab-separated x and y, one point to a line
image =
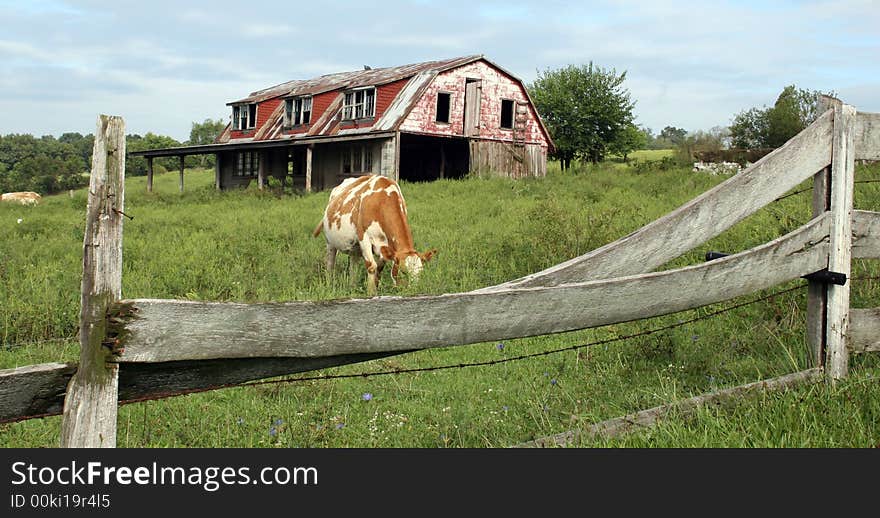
826	277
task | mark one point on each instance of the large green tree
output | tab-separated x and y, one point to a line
137	166
203	133
794	110
44	164
630	138
585	108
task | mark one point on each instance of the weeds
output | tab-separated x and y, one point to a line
251	246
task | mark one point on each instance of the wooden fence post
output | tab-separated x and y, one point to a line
817	292
90	405
842	179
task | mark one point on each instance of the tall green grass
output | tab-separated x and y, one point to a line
251	246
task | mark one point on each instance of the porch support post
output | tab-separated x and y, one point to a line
309	168
217	171
261	170
397	157
149	174
180	182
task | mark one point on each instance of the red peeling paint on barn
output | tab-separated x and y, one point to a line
496	86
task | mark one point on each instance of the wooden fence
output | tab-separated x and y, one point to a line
133	349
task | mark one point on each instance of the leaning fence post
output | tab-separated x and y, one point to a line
90	405
842	180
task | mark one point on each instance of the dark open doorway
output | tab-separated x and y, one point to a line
423	158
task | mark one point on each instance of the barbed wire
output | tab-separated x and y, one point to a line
808	189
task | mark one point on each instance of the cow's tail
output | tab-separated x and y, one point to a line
318	229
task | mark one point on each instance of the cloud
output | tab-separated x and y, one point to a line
690	64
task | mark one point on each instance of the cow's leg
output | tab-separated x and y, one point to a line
380	265
353	258
372	267
330	260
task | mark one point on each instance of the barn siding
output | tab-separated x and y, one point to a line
496	86
495	158
264	110
386	94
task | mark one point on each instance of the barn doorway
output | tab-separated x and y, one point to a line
424	158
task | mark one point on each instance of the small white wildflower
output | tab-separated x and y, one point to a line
19	221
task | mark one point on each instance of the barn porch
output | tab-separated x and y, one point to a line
316	164
307	164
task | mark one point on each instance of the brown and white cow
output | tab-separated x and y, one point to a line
368	215
25	198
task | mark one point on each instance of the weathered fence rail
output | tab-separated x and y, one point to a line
170	330
173	346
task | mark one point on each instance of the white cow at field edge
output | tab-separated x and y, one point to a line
25	198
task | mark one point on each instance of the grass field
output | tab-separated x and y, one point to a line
253	246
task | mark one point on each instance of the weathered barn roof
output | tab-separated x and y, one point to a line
420	76
355	79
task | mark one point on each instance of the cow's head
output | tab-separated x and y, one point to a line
412	263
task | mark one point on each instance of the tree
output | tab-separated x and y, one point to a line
794	110
82	144
630	138
205	133
703	143
137	166
585	108
675	136
44	164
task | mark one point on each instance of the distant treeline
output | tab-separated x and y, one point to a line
48	164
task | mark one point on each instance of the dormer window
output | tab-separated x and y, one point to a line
298	111
359	104
244	116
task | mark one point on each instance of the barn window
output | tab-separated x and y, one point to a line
244	116
298	111
247	163
359	104
443	103
507	114
357	159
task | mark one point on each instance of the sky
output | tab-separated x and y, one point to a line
163	65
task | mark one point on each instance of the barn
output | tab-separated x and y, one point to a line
416	122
